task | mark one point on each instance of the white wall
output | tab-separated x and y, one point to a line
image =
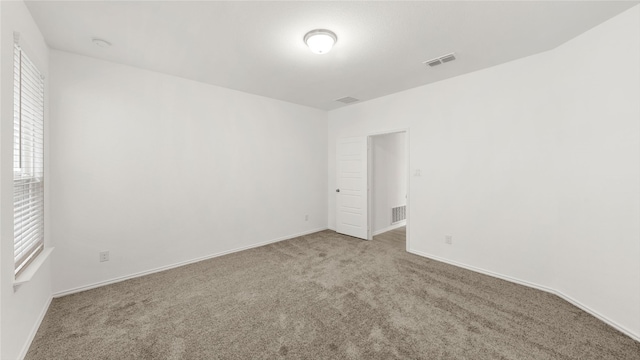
532	166
480	143
389	178
22	308
160	170
597	244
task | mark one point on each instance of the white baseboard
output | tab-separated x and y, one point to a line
182	263
603	318
419	253
571	300
34	330
483	271
389	228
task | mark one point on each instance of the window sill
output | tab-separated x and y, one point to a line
32	269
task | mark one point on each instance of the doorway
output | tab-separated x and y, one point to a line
388	185
372	178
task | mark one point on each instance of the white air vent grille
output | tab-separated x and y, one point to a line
447	58
440	60
398	214
435	62
347	100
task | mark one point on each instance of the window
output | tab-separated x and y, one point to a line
28	160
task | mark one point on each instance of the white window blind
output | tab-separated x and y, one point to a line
28	160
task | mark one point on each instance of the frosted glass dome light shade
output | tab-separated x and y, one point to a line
320	41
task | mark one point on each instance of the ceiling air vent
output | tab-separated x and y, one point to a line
447	58
440	60
347	100
435	62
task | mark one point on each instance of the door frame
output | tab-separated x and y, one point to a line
370	181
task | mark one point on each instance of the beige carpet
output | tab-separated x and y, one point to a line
323	296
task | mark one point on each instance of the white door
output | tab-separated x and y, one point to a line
351	192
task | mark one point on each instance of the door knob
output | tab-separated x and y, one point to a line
337	190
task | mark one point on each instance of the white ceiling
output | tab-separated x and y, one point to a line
257	47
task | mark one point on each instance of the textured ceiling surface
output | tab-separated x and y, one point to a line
257	47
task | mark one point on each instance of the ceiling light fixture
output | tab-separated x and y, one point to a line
320	41
101	42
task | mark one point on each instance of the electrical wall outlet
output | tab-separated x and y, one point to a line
104	256
306	218
448	239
